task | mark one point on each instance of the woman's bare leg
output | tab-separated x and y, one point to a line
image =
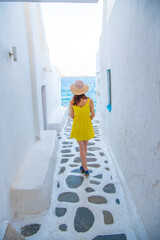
83	154
86	143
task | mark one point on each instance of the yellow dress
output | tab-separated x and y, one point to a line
82	128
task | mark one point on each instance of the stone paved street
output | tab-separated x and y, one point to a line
81	208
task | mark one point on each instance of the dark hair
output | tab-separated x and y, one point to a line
77	98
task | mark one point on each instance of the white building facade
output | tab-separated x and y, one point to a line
29	94
30	108
128	91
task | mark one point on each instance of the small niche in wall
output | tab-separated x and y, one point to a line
109	97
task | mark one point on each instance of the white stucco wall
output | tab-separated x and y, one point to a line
39	61
130	47
43	73
21	108
53	91
16	112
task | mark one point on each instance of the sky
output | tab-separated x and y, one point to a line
72	33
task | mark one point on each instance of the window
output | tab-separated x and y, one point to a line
109	106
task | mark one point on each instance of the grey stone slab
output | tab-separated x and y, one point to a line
96	132
79	171
83	220
108	218
77	149
68	155
99	176
30	229
89	189
91	143
109	188
118	201
97	199
67	146
91	160
94	182
62	170
102	154
68	197
67	142
107	168
111	237
73	165
90	154
60	212
78	160
93	148
94	165
12	234
58	184
64	160
106	161
63	227
66	151
74	181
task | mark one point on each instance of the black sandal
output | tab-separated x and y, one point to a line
86	173
82	169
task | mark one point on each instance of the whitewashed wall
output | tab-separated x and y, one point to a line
21	108
42	72
16	112
130	47
53	91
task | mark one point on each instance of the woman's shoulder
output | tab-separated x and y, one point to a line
71	102
90	101
91	104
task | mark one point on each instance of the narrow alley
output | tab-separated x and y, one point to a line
81	208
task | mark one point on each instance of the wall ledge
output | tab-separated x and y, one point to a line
31	190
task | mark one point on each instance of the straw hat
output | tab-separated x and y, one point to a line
79	87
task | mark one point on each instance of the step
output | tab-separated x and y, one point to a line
7	232
58	118
31	190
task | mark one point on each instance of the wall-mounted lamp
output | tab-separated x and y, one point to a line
13	53
45	69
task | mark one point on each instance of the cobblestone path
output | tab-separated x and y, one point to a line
82	208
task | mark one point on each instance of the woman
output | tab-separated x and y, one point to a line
82	112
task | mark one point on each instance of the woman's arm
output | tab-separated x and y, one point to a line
71	109
91	104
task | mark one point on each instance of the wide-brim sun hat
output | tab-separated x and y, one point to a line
79	87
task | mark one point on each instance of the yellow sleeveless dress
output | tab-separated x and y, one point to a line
82	128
